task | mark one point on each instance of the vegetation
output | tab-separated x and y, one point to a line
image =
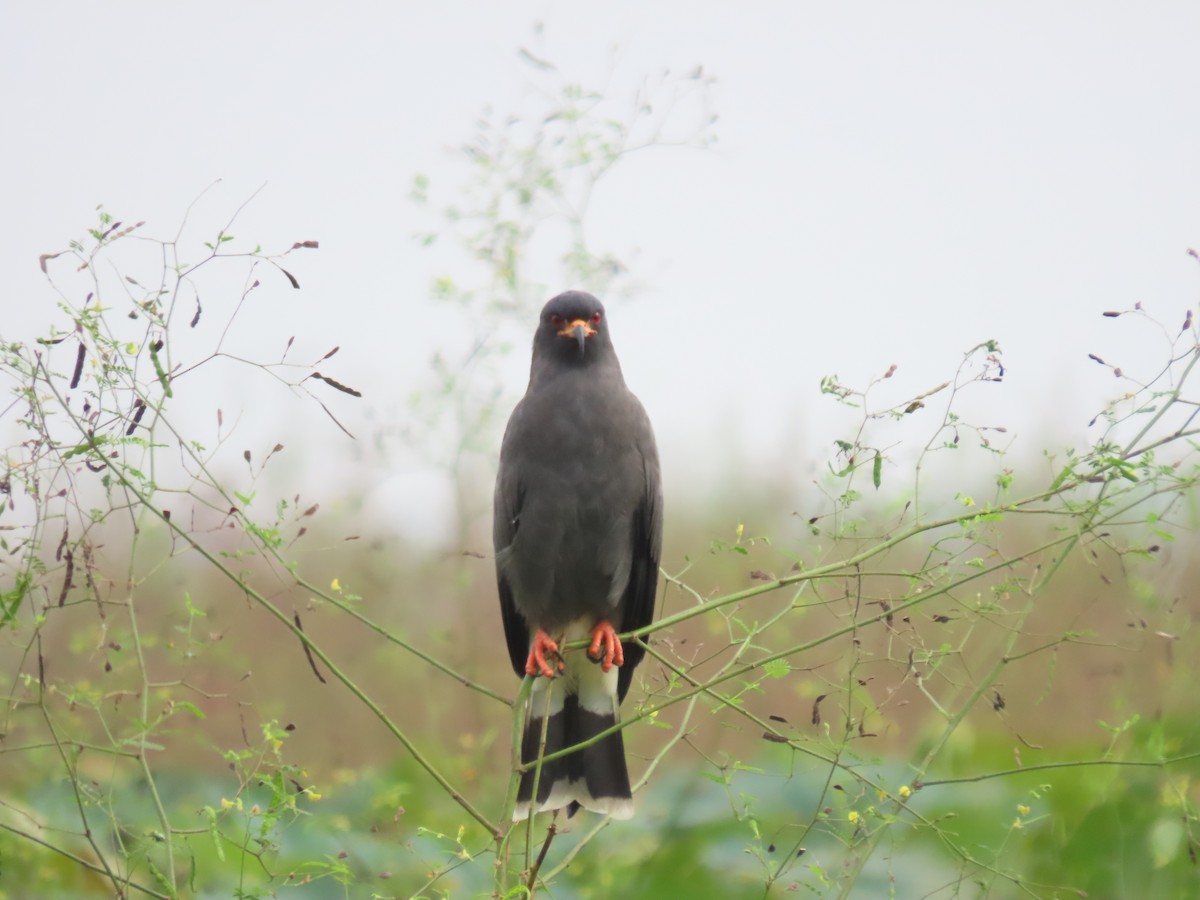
961	673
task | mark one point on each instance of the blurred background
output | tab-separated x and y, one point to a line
886	186
779	205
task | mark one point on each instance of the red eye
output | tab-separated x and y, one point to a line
595	318
556	321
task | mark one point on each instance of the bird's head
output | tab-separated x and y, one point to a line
572	327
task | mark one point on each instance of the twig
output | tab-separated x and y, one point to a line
551	831
1039	767
86	863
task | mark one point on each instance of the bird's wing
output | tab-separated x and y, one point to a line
516	629
506	519
638	602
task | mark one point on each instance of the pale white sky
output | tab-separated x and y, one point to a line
893	183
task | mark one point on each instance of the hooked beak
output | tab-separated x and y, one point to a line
580	330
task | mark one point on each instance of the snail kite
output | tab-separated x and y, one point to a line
578	533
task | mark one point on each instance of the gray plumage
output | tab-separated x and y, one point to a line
577	531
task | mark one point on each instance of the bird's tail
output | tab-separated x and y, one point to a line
576	705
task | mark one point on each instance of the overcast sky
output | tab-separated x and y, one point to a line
892	184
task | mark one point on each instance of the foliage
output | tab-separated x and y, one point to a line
104	462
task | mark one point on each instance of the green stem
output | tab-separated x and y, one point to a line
1083	763
388	636
259	598
838	568
806	646
514	783
159	809
86	863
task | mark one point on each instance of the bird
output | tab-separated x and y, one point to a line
577	532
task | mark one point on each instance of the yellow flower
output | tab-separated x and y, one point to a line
1023	809
853	817
905	792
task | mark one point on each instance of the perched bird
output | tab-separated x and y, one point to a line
577	531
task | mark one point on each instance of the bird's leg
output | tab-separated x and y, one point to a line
543	645
613	654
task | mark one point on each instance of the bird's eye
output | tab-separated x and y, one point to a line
596	318
556	320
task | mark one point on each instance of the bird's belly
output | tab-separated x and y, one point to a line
564	568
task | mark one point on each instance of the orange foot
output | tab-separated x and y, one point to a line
543	645
614	655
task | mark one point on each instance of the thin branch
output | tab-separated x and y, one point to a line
85	863
1040	767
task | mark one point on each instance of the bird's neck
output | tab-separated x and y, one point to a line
597	368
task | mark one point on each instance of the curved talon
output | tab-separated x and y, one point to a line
614	653
543	645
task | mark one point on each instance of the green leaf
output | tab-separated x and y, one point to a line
776	668
877	470
218	844
987	517
190	707
10	601
1066	473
